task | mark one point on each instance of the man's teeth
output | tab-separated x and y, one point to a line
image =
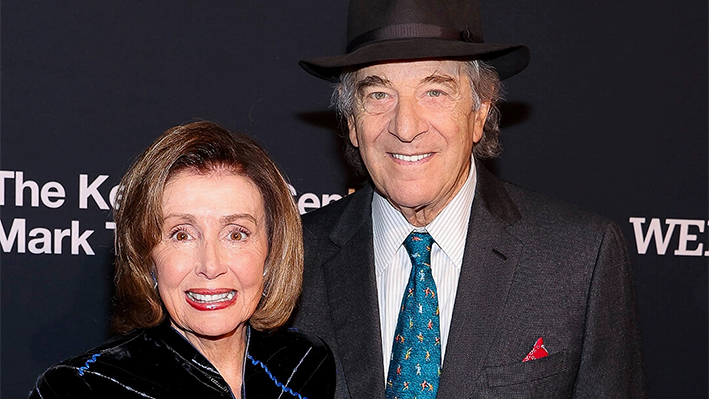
227	296
411	158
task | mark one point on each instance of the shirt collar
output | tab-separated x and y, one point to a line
449	229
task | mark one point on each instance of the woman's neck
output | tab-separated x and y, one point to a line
226	353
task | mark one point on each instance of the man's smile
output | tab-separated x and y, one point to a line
411	158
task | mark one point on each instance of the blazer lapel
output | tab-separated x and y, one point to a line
491	255
352	295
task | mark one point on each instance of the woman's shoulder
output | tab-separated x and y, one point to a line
75	376
145	363
290	337
289	360
289	348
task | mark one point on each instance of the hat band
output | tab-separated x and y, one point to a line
408	31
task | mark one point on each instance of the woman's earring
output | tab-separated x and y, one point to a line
155	280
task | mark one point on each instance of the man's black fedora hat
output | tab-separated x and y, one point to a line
391	30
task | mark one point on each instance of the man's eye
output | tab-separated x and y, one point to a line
434	93
378	95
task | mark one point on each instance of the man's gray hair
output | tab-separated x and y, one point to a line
485	87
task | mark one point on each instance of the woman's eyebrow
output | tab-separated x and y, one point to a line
238	216
183	216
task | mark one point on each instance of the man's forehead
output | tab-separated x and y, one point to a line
412	70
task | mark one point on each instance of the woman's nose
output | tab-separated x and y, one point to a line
211	264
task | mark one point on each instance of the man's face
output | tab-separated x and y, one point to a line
415	127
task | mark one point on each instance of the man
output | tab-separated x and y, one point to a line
436	279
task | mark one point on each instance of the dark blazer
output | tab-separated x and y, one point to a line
160	363
533	267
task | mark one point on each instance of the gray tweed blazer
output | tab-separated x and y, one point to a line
533	267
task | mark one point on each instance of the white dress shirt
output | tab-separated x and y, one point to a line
393	266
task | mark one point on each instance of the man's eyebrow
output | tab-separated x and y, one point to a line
440	79
371	80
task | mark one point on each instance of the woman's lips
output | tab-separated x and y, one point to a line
210	299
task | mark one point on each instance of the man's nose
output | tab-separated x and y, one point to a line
407	122
212	263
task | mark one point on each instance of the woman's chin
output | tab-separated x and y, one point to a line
212	331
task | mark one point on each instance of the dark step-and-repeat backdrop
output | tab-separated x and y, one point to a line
611	114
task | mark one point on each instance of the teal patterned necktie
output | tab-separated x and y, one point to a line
415	366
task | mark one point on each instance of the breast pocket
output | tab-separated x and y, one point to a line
525	372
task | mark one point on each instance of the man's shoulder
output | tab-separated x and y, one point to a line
326	217
327	214
549	215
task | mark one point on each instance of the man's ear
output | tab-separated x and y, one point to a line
480	119
352	127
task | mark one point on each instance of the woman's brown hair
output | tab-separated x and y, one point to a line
203	147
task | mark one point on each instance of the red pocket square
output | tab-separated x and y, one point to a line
538	352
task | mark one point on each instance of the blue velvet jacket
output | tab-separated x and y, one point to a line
161	363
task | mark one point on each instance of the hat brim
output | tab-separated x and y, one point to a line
508	59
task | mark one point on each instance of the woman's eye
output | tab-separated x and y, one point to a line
238	235
180	235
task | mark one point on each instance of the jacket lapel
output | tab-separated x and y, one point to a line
352	297
491	255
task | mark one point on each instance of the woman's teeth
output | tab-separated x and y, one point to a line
227	296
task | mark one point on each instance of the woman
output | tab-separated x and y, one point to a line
208	266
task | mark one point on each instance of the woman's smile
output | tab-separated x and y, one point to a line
210	299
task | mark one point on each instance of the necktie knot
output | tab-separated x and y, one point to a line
418	245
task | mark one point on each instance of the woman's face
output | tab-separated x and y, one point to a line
210	261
